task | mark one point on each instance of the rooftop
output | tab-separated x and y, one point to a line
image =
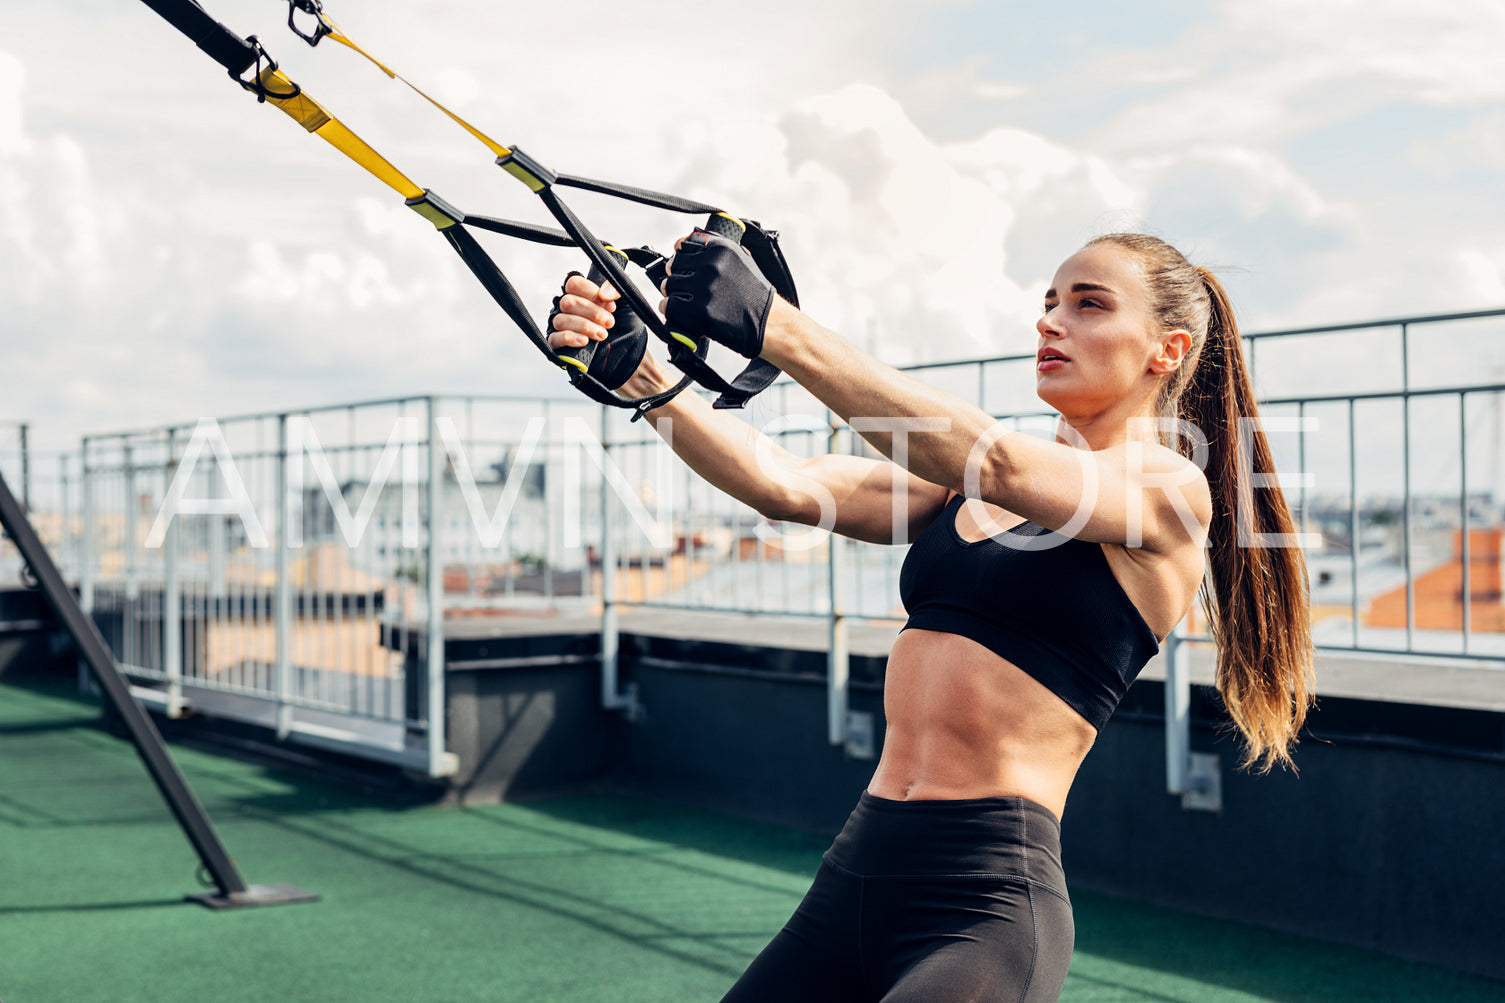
593	897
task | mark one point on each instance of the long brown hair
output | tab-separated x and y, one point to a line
1258	604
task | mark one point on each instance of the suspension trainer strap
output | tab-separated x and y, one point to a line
451	223
271	85
684	353
225	47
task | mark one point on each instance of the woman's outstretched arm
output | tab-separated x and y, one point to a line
855	496
1136	493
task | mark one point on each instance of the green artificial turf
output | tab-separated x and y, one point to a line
580	898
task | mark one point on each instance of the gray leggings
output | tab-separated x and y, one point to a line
929	902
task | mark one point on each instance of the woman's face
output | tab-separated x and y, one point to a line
1096	350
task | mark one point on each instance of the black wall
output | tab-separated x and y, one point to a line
1382	841
32	643
530	729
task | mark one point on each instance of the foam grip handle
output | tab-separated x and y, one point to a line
582	354
726	226
613	361
587	351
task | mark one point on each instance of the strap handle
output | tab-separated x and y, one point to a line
689	354
683	352
452	223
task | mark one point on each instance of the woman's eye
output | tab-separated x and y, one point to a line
1047	308
1089	302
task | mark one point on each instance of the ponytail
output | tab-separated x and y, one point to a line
1258	604
1256	597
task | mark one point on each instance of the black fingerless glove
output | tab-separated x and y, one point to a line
614	360
715	291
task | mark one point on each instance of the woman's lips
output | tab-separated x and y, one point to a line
1049	358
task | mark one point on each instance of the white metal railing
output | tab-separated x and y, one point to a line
48	485
191	570
396	513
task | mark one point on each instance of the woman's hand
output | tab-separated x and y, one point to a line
713	290
582	312
586	313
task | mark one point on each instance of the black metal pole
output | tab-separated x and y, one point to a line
231	889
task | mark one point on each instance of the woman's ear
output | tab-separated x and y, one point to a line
1173	348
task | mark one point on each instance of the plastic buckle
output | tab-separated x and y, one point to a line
434	209
527	170
322	26
254	85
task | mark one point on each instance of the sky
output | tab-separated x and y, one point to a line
170	250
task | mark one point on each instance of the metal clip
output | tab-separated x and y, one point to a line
254	85
322	26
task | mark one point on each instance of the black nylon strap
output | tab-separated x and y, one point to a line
606	262
526	231
225	47
501	289
497	284
642	196
763	245
735	392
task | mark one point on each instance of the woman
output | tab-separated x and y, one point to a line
946	882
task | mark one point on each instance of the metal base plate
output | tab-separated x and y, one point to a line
256	895
1205	784
859	735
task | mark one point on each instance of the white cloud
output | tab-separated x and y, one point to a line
1483	273
1247	182
12	81
1269	70
1444	53
906	235
164	258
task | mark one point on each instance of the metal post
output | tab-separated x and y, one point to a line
283	614
172	600
1466	554
1405	403
838	659
1353	521
1193	775
231	889
1177	712
65	534
85	556
436	707
611	696
86	539
25	469
1301	464
130	608
548	515
132	558
217	530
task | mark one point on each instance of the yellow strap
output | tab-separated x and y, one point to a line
316	119
339	36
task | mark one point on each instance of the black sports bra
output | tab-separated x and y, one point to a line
1046	602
